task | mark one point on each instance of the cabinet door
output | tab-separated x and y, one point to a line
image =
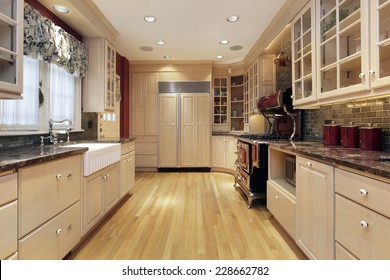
168	133
380	43
110	85
219	151
111	187
315	209
220	104
150	115
343	47
138	104
231	153
124	175
11	48
8	229
92	201
131	170
188	131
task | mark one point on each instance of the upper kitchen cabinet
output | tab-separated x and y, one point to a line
380	43
237	102
144	104
11	48
221	104
99	82
303	54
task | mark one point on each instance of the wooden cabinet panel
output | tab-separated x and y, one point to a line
168	131
315	208
365	233
219	151
8	229
92	201
46	189
54	239
111	187
368	192
343	254
8	188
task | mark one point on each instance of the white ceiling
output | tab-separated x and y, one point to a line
192	29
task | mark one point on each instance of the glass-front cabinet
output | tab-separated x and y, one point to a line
380	43
11	48
343	47
110	77
237	102
220	102
303	56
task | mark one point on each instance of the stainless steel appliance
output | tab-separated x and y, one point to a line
290	169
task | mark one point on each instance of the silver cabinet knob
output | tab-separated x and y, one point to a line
309	164
58	231
363	192
371	72
362	75
364	224
276	197
58	176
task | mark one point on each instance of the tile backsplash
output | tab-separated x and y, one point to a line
375	111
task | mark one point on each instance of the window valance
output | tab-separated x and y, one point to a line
49	42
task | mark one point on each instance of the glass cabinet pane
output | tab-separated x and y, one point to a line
328	26
384	23
328	53
307	85
8	8
350	41
384	61
297	29
329	80
326	6
349	72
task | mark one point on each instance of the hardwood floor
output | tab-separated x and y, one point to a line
187	216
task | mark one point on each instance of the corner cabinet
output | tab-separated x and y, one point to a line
221	103
100	80
224	153
11	49
237	103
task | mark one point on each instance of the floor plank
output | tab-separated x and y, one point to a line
187	216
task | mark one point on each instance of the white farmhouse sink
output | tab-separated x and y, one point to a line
99	155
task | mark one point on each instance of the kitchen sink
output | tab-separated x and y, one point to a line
99	155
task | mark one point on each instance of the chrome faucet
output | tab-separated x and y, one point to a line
54	136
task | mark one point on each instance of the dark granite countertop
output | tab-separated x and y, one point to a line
361	160
228	133
20	157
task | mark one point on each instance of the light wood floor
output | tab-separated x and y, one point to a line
187	216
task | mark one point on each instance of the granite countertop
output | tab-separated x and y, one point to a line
20	157
361	160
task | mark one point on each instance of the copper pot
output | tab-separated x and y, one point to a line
370	138
331	134
350	136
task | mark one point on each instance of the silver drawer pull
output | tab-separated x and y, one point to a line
70	175
363	192
58	231
58	176
70	227
364	224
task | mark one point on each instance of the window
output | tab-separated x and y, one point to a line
23	114
62	99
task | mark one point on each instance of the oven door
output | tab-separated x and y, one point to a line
244	179
243	156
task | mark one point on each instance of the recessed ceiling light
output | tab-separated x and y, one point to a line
219	57
150	19
224	42
167	57
146	48
61	9
160	42
232	18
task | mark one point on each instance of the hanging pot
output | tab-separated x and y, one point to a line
370	138
350	136
331	134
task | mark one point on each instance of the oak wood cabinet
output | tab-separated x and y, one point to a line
100	194
11	49
221	108
100	80
315	208
127	168
168	130
224	153
49	215
8	214
362	216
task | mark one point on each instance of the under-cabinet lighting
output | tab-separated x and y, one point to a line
61	9
232	18
150	19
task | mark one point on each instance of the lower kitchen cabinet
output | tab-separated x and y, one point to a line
127	169
362	217
49	214
100	194
224	153
315	209
54	239
8	215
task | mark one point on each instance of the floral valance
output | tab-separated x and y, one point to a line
49	42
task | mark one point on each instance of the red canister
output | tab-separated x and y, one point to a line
350	136
331	133
370	138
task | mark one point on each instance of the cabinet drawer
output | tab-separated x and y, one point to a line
343	254
371	242
282	207
8	229
47	189
146	149
54	239
127	147
8	188
369	192
145	160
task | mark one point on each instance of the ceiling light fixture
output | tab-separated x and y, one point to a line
167	57
160	42
150	19
219	57
232	18
61	9
224	42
